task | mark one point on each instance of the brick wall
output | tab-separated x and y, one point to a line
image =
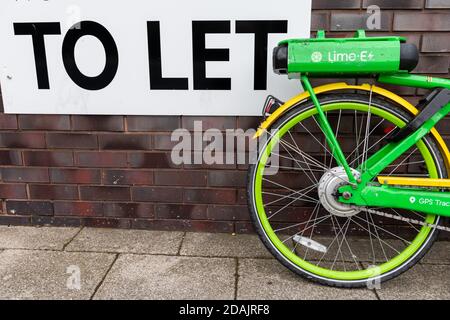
116	171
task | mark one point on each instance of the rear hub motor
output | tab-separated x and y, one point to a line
329	184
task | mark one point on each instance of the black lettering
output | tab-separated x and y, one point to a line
261	29
37	30
201	55
94	29
157	82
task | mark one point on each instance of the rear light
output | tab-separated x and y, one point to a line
271	105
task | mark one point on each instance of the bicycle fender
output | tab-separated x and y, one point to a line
266	124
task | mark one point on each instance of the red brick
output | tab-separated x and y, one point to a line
151	160
436	42
129	210
53	192
78	208
97	123
40	208
104	193
15	220
244	227
213	196
71	141
152	123
107	223
341	4
319	21
13	191
421	22
246	123
221	178
242	196
124	142
394	4
56	221
180	178
353	21
228	213
25	174
127	177
101	159
164	142
8	121
176	211
44	122
433	64
221	123
22	140
212	226
150	194
48	158
10	158
75	176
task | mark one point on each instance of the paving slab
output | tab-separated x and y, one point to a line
30	274
268	279
223	245
422	282
438	254
168	277
42	238
126	241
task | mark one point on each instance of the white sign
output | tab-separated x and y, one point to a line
145	57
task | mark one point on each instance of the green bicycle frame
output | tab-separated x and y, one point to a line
362	192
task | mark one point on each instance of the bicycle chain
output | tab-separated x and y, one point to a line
399	218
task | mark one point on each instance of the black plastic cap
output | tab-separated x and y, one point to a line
280	59
409	56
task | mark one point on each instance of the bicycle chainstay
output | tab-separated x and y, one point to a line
413	221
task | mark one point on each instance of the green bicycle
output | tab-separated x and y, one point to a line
356	162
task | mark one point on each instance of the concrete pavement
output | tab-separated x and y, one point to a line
87	263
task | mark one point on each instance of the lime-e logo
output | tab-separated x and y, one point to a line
362	56
316	56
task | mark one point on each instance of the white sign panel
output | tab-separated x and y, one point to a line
145	57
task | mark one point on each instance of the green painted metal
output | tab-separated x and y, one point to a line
416	81
343	56
328	132
425	201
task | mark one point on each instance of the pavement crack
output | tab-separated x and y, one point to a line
70	241
181	244
236	279
376	294
104	277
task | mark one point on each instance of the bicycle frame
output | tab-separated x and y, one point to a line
360	191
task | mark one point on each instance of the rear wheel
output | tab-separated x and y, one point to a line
293	200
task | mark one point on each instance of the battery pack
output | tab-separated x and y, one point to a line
361	55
